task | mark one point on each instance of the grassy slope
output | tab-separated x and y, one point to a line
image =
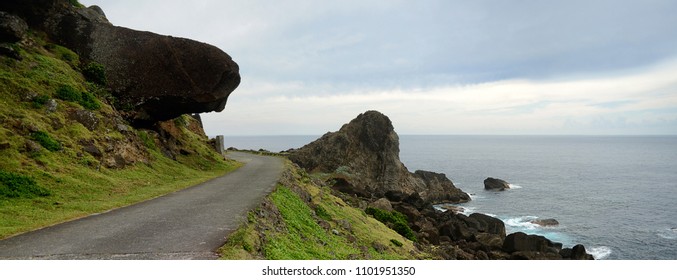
303	220
77	183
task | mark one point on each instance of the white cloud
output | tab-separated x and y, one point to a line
501	107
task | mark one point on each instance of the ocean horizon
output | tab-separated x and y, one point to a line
613	194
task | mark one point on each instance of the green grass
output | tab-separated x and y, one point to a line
292	230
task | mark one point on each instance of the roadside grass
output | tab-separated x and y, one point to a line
319	226
78	191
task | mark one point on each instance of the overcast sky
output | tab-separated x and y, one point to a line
434	67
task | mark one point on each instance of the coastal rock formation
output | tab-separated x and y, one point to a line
364	158
545	222
494	184
194	77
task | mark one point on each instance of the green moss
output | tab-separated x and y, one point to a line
13	185
46	141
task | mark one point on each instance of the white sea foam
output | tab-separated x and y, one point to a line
600	252
513	186
523	222
463	210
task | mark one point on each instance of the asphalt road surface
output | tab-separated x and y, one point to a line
188	224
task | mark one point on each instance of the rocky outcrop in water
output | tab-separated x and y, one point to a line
363	158
153	77
494	184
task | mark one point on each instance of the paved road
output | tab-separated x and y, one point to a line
189	224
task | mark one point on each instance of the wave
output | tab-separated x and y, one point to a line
600	252
513	186
523	222
670	233
461	209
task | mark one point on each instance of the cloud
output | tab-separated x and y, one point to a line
556	106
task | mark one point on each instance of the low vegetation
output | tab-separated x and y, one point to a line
302	219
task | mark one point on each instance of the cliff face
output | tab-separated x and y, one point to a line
153	77
364	158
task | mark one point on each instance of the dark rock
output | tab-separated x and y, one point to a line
395	196
92	150
578	252
368	149
494	184
489	224
86	118
520	241
444	189
9	51
545	222
195	77
12	28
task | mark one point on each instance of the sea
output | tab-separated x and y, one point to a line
616	195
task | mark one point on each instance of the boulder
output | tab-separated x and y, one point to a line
365	152
578	252
489	224
153	77
545	222
523	242
494	184
382	203
12	28
86	118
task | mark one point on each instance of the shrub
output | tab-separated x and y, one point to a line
95	72
14	186
396	219
76	3
322	213
46	141
396	242
89	102
68	93
85	99
40	100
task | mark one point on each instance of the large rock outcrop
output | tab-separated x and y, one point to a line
153	77
494	184
364	158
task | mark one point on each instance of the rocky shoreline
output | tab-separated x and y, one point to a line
362	166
